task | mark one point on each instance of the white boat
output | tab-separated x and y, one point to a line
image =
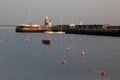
49	32
60	32
52	32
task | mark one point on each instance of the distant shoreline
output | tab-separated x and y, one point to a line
7	25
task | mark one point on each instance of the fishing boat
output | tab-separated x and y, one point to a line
46	41
29	28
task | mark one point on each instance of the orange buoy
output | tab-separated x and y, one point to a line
63	62
82	53
103	73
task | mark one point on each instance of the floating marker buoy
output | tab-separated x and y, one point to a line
82	53
63	62
68	49
103	73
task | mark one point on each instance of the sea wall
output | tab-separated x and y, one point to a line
90	29
105	29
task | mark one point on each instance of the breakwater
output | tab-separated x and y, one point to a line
105	29
94	32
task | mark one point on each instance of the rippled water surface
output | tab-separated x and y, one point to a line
23	56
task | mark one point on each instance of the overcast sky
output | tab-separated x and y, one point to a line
70	11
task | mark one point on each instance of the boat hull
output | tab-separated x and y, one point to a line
60	32
47	41
49	32
31	29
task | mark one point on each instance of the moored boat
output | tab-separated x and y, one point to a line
60	32
46	41
49	32
30	28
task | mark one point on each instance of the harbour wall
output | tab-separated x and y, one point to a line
105	29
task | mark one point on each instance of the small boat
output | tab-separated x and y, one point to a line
60	32
46	41
52	32
49	32
29	28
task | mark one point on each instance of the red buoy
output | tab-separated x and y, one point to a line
103	73
82	53
63	62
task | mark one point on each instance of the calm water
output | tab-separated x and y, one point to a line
24	57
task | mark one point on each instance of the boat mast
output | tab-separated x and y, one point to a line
29	16
81	23
61	24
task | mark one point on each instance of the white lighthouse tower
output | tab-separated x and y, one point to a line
48	23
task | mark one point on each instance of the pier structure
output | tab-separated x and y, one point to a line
92	29
96	29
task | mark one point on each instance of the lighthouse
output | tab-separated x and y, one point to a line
48	23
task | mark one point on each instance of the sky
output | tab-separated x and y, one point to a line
70	11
